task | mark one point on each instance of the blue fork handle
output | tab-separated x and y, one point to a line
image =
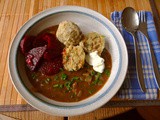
138	64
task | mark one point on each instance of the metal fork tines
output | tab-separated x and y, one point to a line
143	29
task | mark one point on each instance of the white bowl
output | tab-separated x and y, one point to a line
88	21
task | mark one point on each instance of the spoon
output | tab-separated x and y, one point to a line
130	21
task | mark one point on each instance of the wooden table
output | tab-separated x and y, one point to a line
14	13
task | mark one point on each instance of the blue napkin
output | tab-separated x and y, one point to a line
130	88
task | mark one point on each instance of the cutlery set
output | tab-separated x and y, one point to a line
133	22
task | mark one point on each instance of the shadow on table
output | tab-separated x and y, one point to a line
129	115
139	113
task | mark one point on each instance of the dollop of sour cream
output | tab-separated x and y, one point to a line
96	61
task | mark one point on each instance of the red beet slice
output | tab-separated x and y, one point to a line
39	41
51	54
33	57
51	67
54	47
26	43
44	39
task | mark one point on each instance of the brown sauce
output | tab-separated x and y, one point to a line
71	86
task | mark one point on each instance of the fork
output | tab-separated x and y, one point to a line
143	29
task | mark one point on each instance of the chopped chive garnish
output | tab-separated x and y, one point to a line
88	79
58	86
95	81
93	73
90	91
61	69
68	85
98	75
75	78
100	83
97	78
63	76
56	77
34	76
67	58
78	79
107	72
47	80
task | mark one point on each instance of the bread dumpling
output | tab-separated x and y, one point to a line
68	33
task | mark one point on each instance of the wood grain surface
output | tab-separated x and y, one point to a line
101	113
14	13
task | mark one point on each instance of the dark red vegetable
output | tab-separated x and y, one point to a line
26	43
54	47
33	57
51	67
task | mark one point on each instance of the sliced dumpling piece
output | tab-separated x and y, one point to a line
93	42
73	58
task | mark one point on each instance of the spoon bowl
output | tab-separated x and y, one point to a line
130	20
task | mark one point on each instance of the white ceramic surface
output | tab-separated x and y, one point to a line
88	21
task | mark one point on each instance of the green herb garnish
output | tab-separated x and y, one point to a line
95	82
75	78
100	83
34	76
107	72
68	85
58	86
56	77
97	79
47	80
63	76
91	91
61	69
93	73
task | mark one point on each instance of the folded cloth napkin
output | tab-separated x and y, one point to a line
130	88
